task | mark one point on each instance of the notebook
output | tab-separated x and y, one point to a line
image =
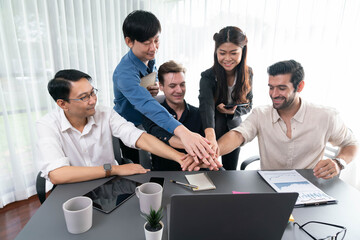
148	80
229	216
201	180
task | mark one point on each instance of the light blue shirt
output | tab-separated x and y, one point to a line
132	101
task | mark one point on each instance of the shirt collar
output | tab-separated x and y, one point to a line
173	113
299	116
90	122
140	65
275	115
65	124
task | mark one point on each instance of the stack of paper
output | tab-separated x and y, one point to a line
201	180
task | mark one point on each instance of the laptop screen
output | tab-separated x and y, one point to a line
230	216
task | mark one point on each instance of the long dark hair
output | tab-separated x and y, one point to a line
242	85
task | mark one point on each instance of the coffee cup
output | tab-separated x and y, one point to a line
78	212
150	196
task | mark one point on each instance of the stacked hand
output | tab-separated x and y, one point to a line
190	163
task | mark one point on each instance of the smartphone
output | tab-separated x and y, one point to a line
228	106
159	180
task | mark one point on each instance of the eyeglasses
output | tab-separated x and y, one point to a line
87	97
338	236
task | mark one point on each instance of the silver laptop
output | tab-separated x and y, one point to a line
229	216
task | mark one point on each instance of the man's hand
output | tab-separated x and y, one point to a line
153	89
128	169
194	144
189	164
326	169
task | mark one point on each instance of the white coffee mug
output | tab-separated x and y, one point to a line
150	195
78	212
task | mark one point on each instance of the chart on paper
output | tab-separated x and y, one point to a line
292	181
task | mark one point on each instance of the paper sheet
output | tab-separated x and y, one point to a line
292	181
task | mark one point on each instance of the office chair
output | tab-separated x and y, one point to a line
330	152
41	182
249	160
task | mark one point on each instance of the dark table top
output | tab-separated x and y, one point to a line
125	222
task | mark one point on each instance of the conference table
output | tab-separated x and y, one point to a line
125	222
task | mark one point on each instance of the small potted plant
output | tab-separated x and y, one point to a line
153	226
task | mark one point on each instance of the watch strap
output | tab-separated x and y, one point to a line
107	168
340	162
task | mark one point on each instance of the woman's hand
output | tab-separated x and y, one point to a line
221	108
211	137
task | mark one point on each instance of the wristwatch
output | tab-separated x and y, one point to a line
107	168
341	162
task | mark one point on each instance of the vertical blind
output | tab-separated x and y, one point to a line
40	37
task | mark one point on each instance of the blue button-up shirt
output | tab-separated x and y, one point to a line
132	101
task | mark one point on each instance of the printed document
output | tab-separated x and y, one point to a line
292	181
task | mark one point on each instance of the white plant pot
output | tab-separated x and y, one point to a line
154	235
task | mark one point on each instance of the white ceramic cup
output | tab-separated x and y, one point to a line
78	212
150	195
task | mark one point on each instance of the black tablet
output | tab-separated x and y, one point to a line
112	193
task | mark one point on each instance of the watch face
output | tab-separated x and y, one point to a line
107	166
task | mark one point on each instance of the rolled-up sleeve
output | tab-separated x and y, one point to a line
249	127
126	131
340	134
50	150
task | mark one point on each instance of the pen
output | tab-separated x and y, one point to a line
184	184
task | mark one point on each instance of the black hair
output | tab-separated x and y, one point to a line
242	86
141	25
59	87
289	66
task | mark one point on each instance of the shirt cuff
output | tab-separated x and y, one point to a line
243	133
48	167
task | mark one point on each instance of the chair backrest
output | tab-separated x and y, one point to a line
41	187
117	149
248	161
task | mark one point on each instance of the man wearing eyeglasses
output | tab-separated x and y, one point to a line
75	141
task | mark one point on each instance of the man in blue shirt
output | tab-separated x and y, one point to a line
142	32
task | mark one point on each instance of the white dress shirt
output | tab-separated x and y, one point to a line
60	144
312	126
